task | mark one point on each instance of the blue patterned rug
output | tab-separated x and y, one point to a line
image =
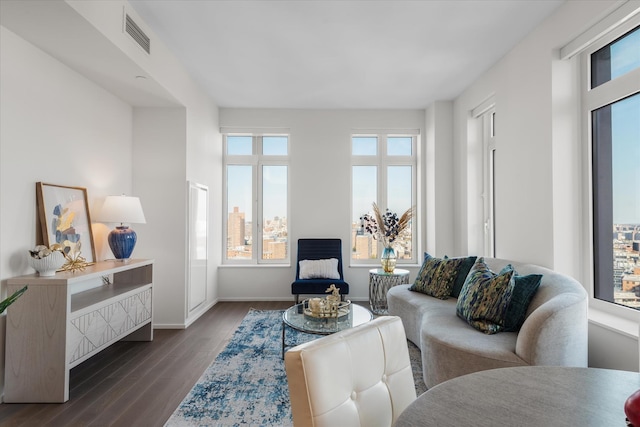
246	385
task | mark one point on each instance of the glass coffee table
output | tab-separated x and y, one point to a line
295	318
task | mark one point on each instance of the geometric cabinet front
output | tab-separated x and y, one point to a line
92	330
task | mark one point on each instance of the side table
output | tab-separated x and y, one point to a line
379	284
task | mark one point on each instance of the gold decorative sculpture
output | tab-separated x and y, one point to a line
328	307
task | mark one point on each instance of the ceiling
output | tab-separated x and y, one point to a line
339	54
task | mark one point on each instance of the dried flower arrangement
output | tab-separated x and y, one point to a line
386	227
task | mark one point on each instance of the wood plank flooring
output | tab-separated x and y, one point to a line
139	383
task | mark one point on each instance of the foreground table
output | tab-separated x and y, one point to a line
526	396
295	318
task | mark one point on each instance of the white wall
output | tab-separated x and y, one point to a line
171	146
60	127
538	167
57	127
438	183
320	189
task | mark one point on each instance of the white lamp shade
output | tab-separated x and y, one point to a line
122	209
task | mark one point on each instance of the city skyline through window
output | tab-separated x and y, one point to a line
383	171
616	172
257	187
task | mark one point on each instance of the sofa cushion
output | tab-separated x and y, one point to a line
524	288
484	298
436	277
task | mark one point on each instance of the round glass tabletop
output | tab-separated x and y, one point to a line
295	318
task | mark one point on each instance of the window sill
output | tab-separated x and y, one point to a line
613	323
377	265
254	266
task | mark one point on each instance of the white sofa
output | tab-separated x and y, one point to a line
554	332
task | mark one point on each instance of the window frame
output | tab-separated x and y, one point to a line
382	161
257	160
592	99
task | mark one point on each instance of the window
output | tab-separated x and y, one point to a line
611	105
256	199
383	171
489	145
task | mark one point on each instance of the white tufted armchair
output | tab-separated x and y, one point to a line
357	377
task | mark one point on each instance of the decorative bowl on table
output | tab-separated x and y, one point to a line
46	262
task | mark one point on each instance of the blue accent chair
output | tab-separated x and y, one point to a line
314	249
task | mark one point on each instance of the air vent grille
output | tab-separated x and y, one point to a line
137	34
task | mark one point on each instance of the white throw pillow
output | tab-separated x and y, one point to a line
319	269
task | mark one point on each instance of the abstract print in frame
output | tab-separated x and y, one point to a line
64	218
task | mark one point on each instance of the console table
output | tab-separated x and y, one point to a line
379	284
63	320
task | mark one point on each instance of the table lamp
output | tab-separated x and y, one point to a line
122	209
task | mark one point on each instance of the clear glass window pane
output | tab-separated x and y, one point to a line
616	146
399	145
238	145
616	58
399	199
274	208
239	203
275	145
364	145
365	192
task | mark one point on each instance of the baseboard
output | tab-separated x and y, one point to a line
200	312
244	299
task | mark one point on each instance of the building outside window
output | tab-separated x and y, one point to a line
256	199
611	106
383	171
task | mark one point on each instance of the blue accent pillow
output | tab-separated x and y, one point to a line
484	298
525	287
442	277
463	271
463	265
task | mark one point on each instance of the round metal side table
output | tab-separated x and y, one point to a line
379	284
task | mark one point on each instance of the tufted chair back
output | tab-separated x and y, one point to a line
357	377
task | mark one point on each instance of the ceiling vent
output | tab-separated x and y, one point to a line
137	34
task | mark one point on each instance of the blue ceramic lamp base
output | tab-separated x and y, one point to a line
122	240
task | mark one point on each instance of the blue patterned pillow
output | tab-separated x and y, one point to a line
525	287
484	298
437	276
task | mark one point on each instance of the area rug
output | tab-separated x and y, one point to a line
246	385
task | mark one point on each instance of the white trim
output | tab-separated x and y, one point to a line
387	132
254	131
620	13
484	106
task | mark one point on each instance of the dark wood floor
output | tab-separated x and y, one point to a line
139	383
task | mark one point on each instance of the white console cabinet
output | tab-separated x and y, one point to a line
63	320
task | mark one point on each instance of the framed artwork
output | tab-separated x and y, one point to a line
64	219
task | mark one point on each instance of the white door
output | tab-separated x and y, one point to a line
198	250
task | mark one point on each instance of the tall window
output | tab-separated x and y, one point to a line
383	171
256	200
489	145
612	108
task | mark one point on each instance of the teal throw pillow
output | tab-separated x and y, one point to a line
524	288
463	271
484	298
436	276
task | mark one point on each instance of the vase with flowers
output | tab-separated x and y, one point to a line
387	228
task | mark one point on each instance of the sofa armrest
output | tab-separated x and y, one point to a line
556	333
